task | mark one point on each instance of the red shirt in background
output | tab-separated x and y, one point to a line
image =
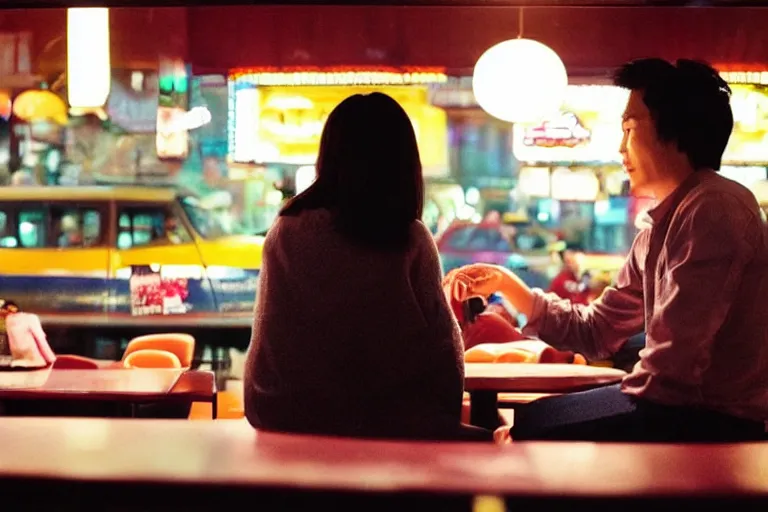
567	286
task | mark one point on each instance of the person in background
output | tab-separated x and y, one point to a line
71	231
695	279
24	178
567	284
171	230
352	334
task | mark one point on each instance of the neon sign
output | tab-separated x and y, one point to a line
338	76
566	131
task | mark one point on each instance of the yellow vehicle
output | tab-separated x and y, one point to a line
126	259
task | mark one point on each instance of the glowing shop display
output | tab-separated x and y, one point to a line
587	129
749	140
305	176
564	131
747	176
382	77
745	77
534	181
89	72
760	189
520	80
284	124
575	184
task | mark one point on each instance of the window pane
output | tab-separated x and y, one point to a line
140	227
91	227
459	239
32	229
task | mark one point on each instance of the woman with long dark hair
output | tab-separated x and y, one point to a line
352	334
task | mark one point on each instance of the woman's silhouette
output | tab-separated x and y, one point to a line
352	333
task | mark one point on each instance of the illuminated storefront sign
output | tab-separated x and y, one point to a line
747	175
745	77
565	131
749	140
588	128
383	76
284	124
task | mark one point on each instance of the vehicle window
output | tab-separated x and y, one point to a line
61	227
528	241
458	240
210	221
76	227
142	226
487	240
32	228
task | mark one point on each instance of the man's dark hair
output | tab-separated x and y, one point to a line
368	173
689	104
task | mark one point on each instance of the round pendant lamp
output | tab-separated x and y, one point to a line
520	80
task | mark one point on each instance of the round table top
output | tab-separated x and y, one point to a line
539	378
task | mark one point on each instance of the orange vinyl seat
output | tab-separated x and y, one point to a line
229	406
151	358
179	344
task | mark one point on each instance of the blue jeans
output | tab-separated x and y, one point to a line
607	414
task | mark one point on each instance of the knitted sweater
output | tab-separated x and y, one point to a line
351	341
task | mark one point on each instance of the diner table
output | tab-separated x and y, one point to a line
484	382
161	465
120	390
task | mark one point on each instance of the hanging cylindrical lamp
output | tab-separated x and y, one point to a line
89	71
520	80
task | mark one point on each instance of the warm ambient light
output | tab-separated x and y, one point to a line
520	80
40	105
305	176
383	76
89	72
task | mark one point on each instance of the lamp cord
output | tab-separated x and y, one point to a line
520	22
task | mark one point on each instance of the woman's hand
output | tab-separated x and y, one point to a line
478	279
483	279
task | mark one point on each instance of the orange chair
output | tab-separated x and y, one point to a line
73	362
151	358
229	406
181	345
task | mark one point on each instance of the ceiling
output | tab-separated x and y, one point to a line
10	4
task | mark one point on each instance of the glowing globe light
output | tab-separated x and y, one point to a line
520	80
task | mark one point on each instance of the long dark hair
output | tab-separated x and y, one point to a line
368	173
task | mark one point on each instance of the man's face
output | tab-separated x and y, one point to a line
641	149
170	225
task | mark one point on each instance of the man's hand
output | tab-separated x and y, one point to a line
503	435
